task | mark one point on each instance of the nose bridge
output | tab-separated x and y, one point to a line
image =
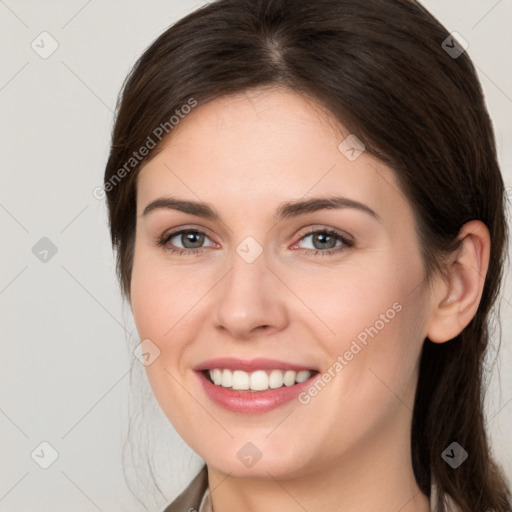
247	297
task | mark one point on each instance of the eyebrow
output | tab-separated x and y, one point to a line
285	210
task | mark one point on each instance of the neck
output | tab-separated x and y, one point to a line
376	475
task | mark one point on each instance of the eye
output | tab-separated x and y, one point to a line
326	242
191	241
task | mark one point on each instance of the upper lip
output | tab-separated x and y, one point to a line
232	363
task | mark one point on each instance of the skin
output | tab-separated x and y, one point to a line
349	446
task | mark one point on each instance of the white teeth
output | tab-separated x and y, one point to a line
302	376
216	376
260	380
240	380
227	378
275	379
289	378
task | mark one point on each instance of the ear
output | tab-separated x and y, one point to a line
456	297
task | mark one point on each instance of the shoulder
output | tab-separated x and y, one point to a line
191	497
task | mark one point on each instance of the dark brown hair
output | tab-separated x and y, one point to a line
381	69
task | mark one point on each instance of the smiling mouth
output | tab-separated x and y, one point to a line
259	380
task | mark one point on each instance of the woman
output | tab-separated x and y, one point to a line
309	222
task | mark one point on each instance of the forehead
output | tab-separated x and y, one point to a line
261	147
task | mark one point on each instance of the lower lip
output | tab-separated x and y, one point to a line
252	402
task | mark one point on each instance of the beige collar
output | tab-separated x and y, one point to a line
206	502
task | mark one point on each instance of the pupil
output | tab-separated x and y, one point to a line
189	238
323	238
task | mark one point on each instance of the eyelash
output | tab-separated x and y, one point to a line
347	243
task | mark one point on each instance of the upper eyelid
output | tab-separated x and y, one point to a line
320	228
178	231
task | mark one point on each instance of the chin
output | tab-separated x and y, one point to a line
255	461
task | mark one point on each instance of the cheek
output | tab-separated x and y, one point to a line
166	302
162	299
161	295
356	301
375	320
149	303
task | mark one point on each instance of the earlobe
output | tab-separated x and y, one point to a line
457	296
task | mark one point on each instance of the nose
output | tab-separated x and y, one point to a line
250	300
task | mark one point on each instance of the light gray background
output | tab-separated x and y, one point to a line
66	336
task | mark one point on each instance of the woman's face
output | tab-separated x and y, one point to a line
260	286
